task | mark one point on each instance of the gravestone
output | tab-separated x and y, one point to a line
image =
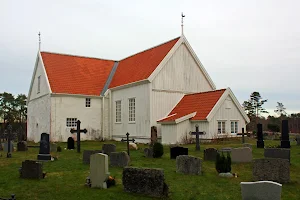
298	139
128	140
248	145
78	131
188	165
226	150
177	151
261	190
99	170
260	138
148	152
210	154
11	147
241	155
31	170
285	140
71	143
1	147
44	153
119	159
86	156
271	169
153	134
277	153
108	148
145	181
197	133
22	146
53	147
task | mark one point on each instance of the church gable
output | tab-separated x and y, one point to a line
39	83
182	73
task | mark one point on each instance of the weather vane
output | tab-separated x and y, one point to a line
39	41
182	16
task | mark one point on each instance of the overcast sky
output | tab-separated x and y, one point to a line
248	46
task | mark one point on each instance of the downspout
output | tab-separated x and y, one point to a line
102	120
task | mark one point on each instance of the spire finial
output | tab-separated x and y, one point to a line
182	16
39	41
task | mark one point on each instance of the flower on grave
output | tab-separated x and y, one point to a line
110	181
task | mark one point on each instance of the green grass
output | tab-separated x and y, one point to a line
66	177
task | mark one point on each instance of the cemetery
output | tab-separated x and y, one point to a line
112	170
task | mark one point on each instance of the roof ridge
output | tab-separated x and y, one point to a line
65	54
206	92
150	48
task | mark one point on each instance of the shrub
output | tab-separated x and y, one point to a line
58	149
223	164
158	150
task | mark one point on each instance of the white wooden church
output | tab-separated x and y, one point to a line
165	87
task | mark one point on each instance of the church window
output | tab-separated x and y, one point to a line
118	111
132	110
39	84
221	127
234	127
71	122
88	102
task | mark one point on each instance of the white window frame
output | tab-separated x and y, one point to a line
222	126
118	111
71	122
88	102
234	127
39	84
131	110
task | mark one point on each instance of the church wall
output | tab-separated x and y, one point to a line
64	106
227	112
44	88
183	129
181	73
38	117
140	129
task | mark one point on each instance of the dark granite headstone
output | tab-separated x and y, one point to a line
260	140
86	157
177	151
285	140
31	170
22	146
210	154
148	152
44	153
278	153
108	148
71	143
145	181
119	159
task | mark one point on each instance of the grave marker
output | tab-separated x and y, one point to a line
277	153
86	156
9	136
285	141
188	165
78	131
262	190
119	159
108	148
210	154
197	133
128	140
260	138
44	153
241	155
31	170
177	151
71	143
99	170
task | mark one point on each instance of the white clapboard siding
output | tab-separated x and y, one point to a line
227	112
169	134
181	73
141	127
106	120
64	106
183	130
38	121
203	126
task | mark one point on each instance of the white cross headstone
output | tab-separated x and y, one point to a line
99	170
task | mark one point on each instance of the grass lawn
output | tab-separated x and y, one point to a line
66	177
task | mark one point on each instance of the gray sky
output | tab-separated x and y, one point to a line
248	46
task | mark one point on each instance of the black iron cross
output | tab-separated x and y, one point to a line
128	140
78	131
197	133
9	136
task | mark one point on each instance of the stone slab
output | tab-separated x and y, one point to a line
247	145
148	152
108	148
176	151
271	169
99	170
22	146
188	165
53	147
119	159
145	181
210	154
86	156
6	147
277	153
261	190
31	170
241	155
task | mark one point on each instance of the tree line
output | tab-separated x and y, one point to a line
254	108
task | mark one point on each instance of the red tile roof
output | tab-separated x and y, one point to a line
76	75
141	65
202	103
